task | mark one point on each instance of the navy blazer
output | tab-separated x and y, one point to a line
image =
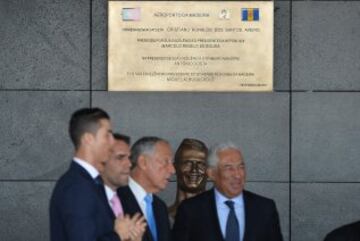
197	220
130	206
79	210
349	232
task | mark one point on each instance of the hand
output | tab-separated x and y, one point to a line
130	228
138	227
122	227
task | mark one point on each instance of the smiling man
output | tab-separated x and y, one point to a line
227	212
117	168
151	158
190	166
116	174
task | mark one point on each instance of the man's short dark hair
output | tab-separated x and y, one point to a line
85	120
122	137
144	145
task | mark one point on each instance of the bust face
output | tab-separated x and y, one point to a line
191	171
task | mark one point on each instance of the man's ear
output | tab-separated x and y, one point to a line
142	162
210	172
87	138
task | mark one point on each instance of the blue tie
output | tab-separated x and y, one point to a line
150	216
232	232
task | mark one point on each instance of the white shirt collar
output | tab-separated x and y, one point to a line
139	193
138	190
87	166
220	199
109	193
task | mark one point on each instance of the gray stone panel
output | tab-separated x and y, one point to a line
259	123
99	44
316	209
282	45
34	133
326	137
44	44
24	211
281	48
325	45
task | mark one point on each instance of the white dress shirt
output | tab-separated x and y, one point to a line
109	194
139	193
223	211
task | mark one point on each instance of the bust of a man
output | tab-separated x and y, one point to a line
190	165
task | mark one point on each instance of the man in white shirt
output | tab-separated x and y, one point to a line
152	167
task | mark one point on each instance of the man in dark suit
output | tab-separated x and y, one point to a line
151	158
116	173
349	232
78	209
227	212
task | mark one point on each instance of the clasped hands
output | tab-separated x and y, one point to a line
130	228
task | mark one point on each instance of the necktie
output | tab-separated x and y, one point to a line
232	232
150	216
116	205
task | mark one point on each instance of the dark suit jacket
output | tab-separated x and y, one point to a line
78	210
130	206
349	232
196	219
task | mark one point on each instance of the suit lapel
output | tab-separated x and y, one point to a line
76	168
214	216
98	188
250	217
79	170
131	206
108	207
162	219
158	219
128	201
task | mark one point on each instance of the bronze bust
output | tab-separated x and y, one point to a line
190	165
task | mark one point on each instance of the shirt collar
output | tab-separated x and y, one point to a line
87	166
109	193
138	190
220	199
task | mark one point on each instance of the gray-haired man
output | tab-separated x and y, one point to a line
227	212
151	158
